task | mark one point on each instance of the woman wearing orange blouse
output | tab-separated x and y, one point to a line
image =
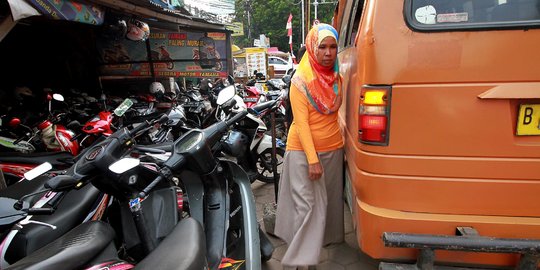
310	206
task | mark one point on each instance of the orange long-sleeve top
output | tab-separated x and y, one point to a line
310	130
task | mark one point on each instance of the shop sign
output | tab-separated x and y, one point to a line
237	29
174	54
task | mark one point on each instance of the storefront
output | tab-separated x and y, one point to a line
91	46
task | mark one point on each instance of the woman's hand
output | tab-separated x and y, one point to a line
315	171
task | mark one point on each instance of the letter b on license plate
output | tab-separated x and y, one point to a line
528	120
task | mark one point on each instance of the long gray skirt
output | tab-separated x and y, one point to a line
309	213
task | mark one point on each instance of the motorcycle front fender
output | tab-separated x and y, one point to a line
251	229
64	136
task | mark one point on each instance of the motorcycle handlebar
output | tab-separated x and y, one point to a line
40	211
236	117
147	124
147	189
165	173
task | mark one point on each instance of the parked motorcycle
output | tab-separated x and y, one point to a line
10	140
51	136
90	245
103	123
54	135
198	110
218	194
248	141
25	229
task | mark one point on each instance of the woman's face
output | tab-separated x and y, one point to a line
327	52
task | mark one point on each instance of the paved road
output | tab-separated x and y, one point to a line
344	256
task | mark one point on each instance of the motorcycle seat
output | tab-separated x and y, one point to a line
57	159
263	106
71	211
73	250
169	255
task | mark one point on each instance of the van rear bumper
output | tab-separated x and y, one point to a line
374	225
470	241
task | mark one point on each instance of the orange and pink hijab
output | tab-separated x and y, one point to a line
320	84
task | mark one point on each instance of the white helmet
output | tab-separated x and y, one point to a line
137	30
156	87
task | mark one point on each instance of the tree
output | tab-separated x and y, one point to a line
269	17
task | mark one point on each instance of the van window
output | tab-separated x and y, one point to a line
355	20
351	23
345	25
471	14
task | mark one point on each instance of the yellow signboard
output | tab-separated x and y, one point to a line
256	60
237	28
217	35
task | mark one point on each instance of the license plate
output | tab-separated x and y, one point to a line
250	99
528	120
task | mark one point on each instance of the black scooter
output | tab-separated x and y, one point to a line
225	208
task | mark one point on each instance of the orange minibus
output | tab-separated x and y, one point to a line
441	120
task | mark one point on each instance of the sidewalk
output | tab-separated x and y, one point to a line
336	257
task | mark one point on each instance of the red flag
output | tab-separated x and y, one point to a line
289	28
289	25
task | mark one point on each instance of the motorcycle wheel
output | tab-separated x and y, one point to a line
264	164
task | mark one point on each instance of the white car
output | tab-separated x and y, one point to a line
281	66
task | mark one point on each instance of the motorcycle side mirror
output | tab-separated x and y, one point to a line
37	171
124	165
225	95
61	183
58	97
14	122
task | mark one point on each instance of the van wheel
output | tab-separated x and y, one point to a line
264	164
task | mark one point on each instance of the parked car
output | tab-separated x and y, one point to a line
281	66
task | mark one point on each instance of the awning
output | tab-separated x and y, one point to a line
93	12
148	9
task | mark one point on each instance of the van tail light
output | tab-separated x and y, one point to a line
374	114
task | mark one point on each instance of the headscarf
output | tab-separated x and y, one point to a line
320	84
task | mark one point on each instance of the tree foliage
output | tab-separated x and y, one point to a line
269	17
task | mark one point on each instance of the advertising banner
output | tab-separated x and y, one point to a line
69	10
173	54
